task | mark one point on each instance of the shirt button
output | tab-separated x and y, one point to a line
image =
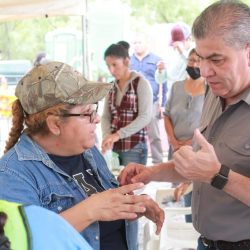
97	237
247	146
59	208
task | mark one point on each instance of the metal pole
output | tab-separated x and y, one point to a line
85	55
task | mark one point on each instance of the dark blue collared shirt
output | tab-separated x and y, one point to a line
147	66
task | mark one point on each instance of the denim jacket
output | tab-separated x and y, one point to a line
28	176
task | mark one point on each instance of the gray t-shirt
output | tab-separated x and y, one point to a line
184	110
216	214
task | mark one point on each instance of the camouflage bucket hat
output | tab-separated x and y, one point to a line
55	82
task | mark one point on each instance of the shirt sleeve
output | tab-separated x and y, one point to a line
169	101
21	190
106	119
164	94
145	107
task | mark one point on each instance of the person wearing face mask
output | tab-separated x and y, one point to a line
184	106
182	115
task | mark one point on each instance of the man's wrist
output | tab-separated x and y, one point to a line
221	178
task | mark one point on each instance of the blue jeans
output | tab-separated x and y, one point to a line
138	154
200	245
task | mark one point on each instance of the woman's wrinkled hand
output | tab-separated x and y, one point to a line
115	204
109	141
180	190
154	213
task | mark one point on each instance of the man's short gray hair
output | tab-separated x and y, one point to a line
229	19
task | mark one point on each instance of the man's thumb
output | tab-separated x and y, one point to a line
200	139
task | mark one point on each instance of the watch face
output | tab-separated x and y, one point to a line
219	181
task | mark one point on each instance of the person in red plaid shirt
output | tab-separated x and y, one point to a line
127	108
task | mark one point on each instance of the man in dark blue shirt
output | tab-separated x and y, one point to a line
146	62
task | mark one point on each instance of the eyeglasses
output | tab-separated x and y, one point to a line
91	115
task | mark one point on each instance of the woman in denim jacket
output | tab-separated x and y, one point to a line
54	163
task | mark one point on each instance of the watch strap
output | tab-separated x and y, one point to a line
221	178
224	170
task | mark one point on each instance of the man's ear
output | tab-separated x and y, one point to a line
53	125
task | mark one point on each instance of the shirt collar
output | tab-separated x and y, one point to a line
245	96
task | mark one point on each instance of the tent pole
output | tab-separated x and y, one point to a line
85	53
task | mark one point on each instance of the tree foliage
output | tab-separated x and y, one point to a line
23	39
169	11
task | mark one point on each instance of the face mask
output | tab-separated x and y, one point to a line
193	72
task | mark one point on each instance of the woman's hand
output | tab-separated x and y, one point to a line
180	190
109	141
115	204
154	213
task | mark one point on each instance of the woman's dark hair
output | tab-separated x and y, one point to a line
124	44
4	241
119	50
192	51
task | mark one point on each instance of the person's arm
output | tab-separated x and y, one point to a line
181	189
203	165
164	94
179	46
161	73
108	138
238	186
113	204
135	172
145	106
106	119
155	213
170	133
16	187
143	118
169	128
176	70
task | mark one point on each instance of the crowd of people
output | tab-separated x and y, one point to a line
52	165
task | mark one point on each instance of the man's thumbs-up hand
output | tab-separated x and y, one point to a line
197	166
201	140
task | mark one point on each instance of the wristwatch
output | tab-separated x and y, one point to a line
220	180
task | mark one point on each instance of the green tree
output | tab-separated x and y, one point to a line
167	11
23	39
